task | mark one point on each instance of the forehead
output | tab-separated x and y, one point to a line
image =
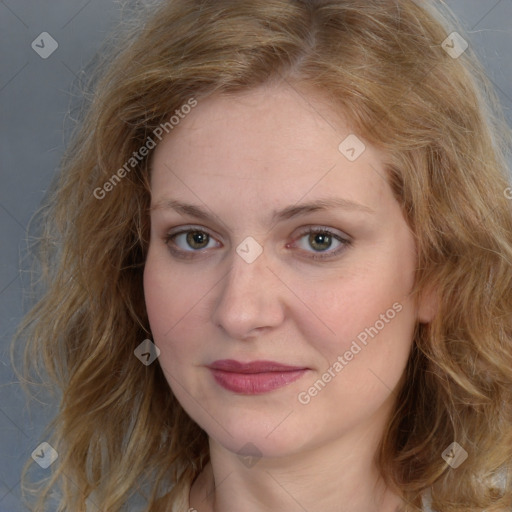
267	146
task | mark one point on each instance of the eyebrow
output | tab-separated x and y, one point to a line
277	215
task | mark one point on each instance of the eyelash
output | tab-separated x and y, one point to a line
169	238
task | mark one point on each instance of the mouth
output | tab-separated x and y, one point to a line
255	377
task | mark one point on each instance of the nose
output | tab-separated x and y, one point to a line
250	299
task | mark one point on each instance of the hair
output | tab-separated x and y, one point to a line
119	430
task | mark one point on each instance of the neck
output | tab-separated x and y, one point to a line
313	480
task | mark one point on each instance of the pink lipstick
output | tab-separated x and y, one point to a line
255	377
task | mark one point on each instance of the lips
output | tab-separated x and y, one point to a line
254	377
230	365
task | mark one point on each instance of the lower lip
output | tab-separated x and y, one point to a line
255	383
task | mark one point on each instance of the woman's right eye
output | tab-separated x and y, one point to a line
185	242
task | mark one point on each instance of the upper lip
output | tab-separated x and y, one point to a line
230	365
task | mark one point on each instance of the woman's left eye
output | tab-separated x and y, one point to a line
319	238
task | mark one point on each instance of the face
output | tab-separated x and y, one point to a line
248	273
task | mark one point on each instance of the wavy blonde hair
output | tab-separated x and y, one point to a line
119	429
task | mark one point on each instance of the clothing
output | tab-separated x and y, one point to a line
426	502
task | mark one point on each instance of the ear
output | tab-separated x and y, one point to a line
427	305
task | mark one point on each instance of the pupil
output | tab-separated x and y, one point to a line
196	238
323	239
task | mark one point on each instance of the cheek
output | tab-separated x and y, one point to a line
175	304
349	305
159	296
363	354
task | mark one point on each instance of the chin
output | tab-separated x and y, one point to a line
258	439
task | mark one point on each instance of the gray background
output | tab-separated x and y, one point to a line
35	96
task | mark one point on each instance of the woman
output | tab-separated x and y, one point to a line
279	257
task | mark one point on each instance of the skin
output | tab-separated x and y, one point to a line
240	157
